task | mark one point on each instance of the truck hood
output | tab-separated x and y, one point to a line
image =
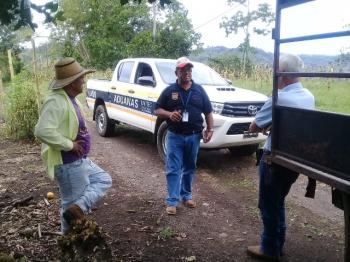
222	94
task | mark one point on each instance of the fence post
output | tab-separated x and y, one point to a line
35	74
2	95
1	89
9	55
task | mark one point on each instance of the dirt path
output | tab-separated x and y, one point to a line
226	220
219	229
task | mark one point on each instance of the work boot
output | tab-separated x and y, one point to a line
256	252
171	210
189	203
73	214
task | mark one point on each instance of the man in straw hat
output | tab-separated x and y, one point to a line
66	143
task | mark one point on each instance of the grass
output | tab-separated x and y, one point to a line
330	94
166	233
21	107
243	183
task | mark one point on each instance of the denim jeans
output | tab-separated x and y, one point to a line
180	165
81	182
274	186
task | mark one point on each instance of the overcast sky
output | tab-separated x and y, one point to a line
319	16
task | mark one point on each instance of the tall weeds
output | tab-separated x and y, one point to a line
21	107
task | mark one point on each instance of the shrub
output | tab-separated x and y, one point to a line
21	107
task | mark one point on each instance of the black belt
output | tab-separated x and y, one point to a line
186	132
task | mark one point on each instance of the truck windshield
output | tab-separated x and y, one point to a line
201	74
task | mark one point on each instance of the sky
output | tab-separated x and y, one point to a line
319	16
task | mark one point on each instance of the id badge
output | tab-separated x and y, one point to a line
185	117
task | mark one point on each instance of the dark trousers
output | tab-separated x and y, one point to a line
274	186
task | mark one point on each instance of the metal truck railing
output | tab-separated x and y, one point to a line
312	142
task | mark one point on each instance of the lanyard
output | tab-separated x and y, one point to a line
188	99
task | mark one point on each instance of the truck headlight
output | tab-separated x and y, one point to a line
217	107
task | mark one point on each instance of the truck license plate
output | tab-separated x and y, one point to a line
247	134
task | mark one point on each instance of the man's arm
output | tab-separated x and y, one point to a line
253	128
163	113
208	132
209	120
174	116
263	118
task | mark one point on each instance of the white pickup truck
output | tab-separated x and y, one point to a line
136	84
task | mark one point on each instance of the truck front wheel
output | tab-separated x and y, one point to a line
246	150
104	125
161	140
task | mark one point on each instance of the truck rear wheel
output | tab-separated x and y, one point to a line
104	125
161	140
246	150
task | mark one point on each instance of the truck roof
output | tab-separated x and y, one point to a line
149	59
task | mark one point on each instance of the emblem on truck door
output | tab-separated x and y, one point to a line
252	110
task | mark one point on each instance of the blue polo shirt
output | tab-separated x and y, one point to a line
195	101
294	95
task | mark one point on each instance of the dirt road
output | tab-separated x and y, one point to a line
219	229
226	220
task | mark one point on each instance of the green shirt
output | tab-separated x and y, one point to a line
57	128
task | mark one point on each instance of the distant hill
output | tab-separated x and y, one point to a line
261	57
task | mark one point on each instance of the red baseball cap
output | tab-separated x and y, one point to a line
182	62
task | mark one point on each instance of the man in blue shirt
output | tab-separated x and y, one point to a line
276	181
182	105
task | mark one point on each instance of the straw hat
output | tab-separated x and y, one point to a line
67	71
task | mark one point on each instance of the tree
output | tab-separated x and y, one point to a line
8	40
162	2
95	41
175	35
248	21
19	12
124	31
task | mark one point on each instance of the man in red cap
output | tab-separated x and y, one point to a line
182	105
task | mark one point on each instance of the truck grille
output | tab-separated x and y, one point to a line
237	129
241	109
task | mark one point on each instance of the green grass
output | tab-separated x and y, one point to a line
20	103
21	107
243	183
330	94
166	233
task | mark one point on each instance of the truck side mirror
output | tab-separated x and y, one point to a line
146	81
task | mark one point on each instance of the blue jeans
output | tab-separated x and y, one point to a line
82	183
274	186
180	165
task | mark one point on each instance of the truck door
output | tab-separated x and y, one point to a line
120	96
144	87
126	101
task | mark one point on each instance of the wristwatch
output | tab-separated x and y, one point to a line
211	130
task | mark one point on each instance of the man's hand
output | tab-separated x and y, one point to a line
78	147
253	128
207	134
266	130
175	116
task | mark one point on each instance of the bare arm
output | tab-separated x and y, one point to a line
174	116
253	128
208	132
